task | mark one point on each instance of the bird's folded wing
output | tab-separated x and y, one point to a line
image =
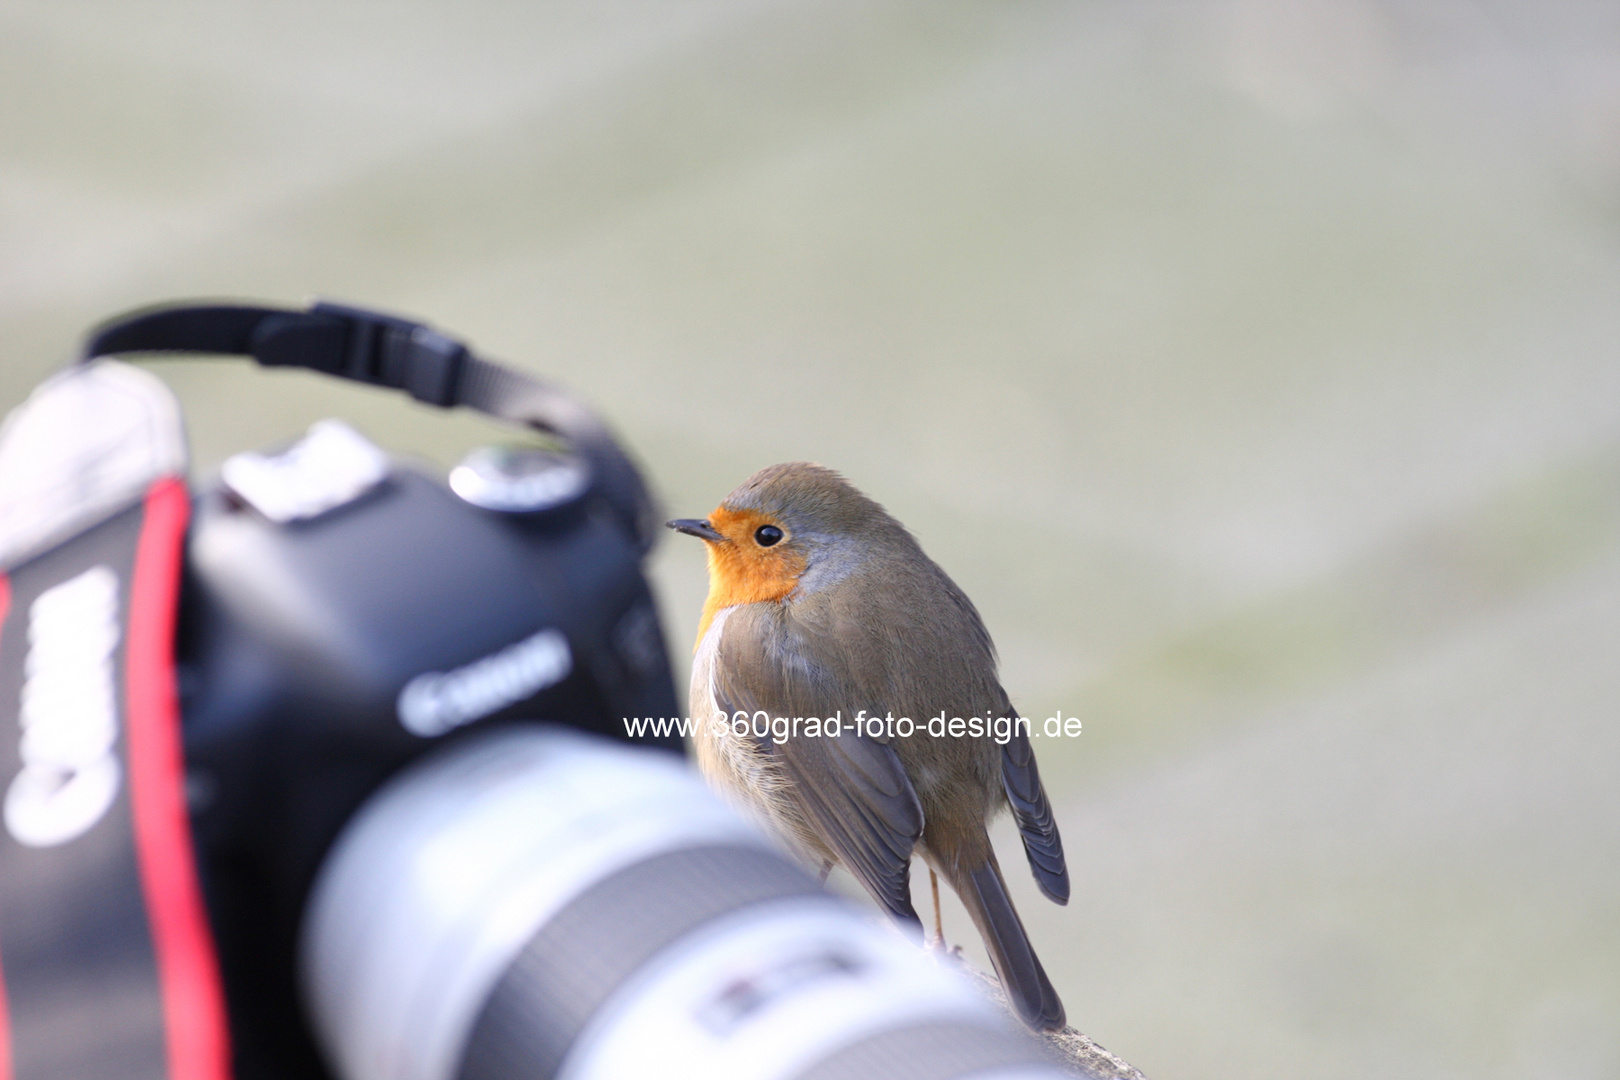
851	788
1032	810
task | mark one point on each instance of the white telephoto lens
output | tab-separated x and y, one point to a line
533	901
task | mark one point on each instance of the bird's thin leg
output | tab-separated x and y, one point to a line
826	868
939	922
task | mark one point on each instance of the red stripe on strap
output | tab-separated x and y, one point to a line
5	1011
193	1000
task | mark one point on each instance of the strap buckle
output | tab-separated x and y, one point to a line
366	346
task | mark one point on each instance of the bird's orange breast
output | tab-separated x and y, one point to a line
742	572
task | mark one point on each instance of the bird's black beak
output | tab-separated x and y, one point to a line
698	528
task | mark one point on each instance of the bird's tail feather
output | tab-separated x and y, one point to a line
984	894
1032	810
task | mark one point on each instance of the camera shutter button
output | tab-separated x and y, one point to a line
519	480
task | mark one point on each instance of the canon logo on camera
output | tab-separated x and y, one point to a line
435	703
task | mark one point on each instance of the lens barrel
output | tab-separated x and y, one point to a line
535	902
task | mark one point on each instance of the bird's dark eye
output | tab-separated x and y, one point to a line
766	535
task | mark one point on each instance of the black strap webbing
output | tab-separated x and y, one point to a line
384	350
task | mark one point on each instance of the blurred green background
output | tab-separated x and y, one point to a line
1252	364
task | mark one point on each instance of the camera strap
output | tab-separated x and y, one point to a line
384	350
107	963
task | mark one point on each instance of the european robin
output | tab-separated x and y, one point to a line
821	605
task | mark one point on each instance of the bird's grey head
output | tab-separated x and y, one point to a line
821	516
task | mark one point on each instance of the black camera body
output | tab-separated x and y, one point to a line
338	615
296	640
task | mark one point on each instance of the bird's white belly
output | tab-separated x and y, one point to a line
736	765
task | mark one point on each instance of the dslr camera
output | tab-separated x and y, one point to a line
320	772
